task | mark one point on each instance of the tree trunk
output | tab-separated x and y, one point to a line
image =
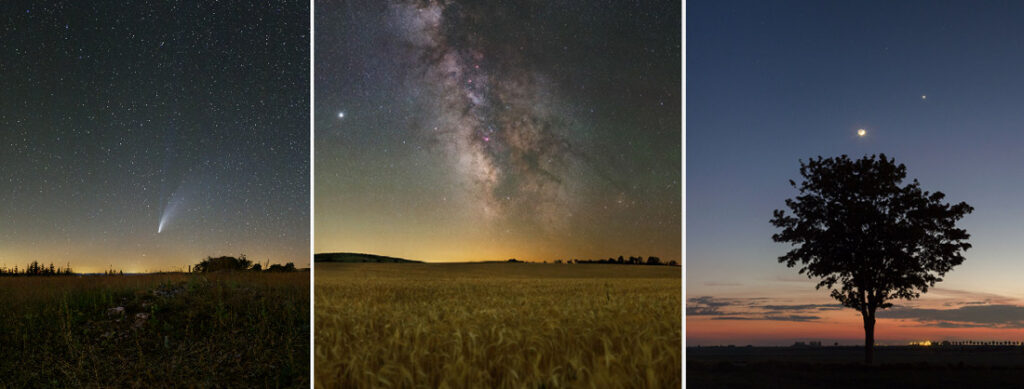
869	337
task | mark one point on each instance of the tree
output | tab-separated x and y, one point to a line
288	267
869	238
223	263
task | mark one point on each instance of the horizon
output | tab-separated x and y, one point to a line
520	259
168	269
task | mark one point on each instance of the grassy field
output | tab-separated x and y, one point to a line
497	325
180	330
841	367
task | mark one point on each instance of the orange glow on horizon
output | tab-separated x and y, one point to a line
845	326
137	260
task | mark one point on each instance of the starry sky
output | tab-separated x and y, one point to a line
936	85
488	130
147	135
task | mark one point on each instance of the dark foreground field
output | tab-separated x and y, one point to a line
841	367
168	330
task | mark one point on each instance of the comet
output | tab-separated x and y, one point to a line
174	204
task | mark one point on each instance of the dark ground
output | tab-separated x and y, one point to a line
222	330
843	367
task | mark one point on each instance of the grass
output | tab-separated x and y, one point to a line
181	330
497	326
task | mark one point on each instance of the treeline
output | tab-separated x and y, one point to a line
241	263
654	261
37	269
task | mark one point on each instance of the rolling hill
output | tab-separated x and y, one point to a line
357	257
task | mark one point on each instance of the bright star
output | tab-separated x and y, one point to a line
341	115
862	132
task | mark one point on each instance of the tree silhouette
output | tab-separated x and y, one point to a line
288	267
222	263
869	239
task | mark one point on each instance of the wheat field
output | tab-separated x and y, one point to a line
497	325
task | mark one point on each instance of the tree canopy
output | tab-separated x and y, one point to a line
869	237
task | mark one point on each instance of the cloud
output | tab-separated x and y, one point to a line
796	318
966	310
734	318
972	298
998	316
961	303
710	301
715	283
804	307
706	306
791	318
753	309
796	279
946	324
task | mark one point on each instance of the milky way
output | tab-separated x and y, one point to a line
494	118
479	129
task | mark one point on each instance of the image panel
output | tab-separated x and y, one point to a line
497	194
154	194
853	194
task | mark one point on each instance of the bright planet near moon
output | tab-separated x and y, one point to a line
861	132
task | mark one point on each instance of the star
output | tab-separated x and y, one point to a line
861	132
341	115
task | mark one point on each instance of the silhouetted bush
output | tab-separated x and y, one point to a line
288	267
224	263
655	261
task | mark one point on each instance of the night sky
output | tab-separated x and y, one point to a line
122	119
488	130
935	85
